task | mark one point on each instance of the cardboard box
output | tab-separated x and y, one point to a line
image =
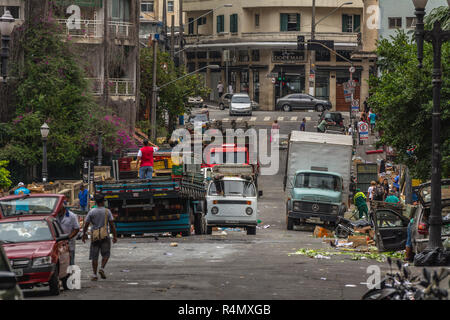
358	240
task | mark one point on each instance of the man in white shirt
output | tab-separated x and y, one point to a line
220	89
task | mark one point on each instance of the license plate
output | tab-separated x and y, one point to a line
135	195
314	220
18	272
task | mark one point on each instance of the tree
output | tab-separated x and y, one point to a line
173	98
5	182
402	97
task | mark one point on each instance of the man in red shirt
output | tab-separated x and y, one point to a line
145	160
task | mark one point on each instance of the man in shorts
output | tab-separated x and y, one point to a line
96	217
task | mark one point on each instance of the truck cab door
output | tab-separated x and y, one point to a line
391	229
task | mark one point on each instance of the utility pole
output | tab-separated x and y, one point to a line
164	30
154	92
172	38
181	56
312	68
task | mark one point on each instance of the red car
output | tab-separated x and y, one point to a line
34	241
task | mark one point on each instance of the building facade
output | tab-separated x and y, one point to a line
255	41
399	14
105	35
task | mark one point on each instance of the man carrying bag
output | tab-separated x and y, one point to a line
100	218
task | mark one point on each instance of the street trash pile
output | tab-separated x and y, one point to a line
355	254
362	236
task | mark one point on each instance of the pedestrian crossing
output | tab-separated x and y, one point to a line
263	119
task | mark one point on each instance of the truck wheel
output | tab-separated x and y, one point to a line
251	230
199	224
54	282
208	230
290	223
221	106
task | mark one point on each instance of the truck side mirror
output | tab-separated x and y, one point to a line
7	280
260	193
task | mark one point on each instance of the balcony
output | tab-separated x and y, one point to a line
94	30
117	87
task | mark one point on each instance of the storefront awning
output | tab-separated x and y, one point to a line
289	69
338	68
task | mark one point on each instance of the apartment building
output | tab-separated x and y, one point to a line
105	34
152	17
259	40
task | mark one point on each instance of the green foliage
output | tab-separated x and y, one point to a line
173	98
441	14
5	182
402	97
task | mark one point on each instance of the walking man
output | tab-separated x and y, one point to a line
83	197
69	224
361	121
97	218
145	160
303	125
220	89
372	119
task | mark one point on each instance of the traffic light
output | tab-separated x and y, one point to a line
300	42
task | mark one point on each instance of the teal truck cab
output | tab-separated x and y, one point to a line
317	177
316	197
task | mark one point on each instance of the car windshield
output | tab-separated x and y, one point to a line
240	99
25	231
232	188
28	205
228	157
319	181
198	118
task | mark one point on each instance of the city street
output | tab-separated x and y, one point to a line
226	266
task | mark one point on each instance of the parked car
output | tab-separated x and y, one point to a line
240	104
302	101
225	100
31	204
9	290
391	221
37	249
255	105
196	102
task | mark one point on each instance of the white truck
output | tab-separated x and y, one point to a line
317	177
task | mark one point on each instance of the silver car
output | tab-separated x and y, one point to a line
240	104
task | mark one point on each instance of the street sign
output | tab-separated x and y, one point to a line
352	69
312	76
363	131
274	80
355	104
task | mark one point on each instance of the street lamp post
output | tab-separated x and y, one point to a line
437	37
6	28
155	95
44	134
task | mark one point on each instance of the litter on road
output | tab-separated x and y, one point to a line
174	244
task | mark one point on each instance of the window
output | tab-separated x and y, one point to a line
201	21
234	23
257	20
388	219
120	10
147	6
243	56
201	55
255	55
220	23
395	23
410	22
14	10
289	22
191	26
351	23
170	6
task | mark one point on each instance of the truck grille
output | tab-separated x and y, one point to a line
312	207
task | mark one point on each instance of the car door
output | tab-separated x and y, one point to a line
227	100
391	229
63	250
306	102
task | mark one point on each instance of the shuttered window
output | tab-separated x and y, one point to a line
234	23
351	23
289	22
220	24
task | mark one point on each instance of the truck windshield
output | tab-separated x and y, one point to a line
319	181
232	188
228	157
28	205
25	231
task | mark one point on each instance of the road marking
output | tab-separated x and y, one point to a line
294	118
280	118
308	118
266	118
226	119
310	110
253	119
239	119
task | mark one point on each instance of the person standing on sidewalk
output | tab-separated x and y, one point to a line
371	190
69	225
97	218
303	125
220	89
145	160
275	126
372	119
360	202
83	198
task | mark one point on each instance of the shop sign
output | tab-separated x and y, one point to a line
288	56
81	3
